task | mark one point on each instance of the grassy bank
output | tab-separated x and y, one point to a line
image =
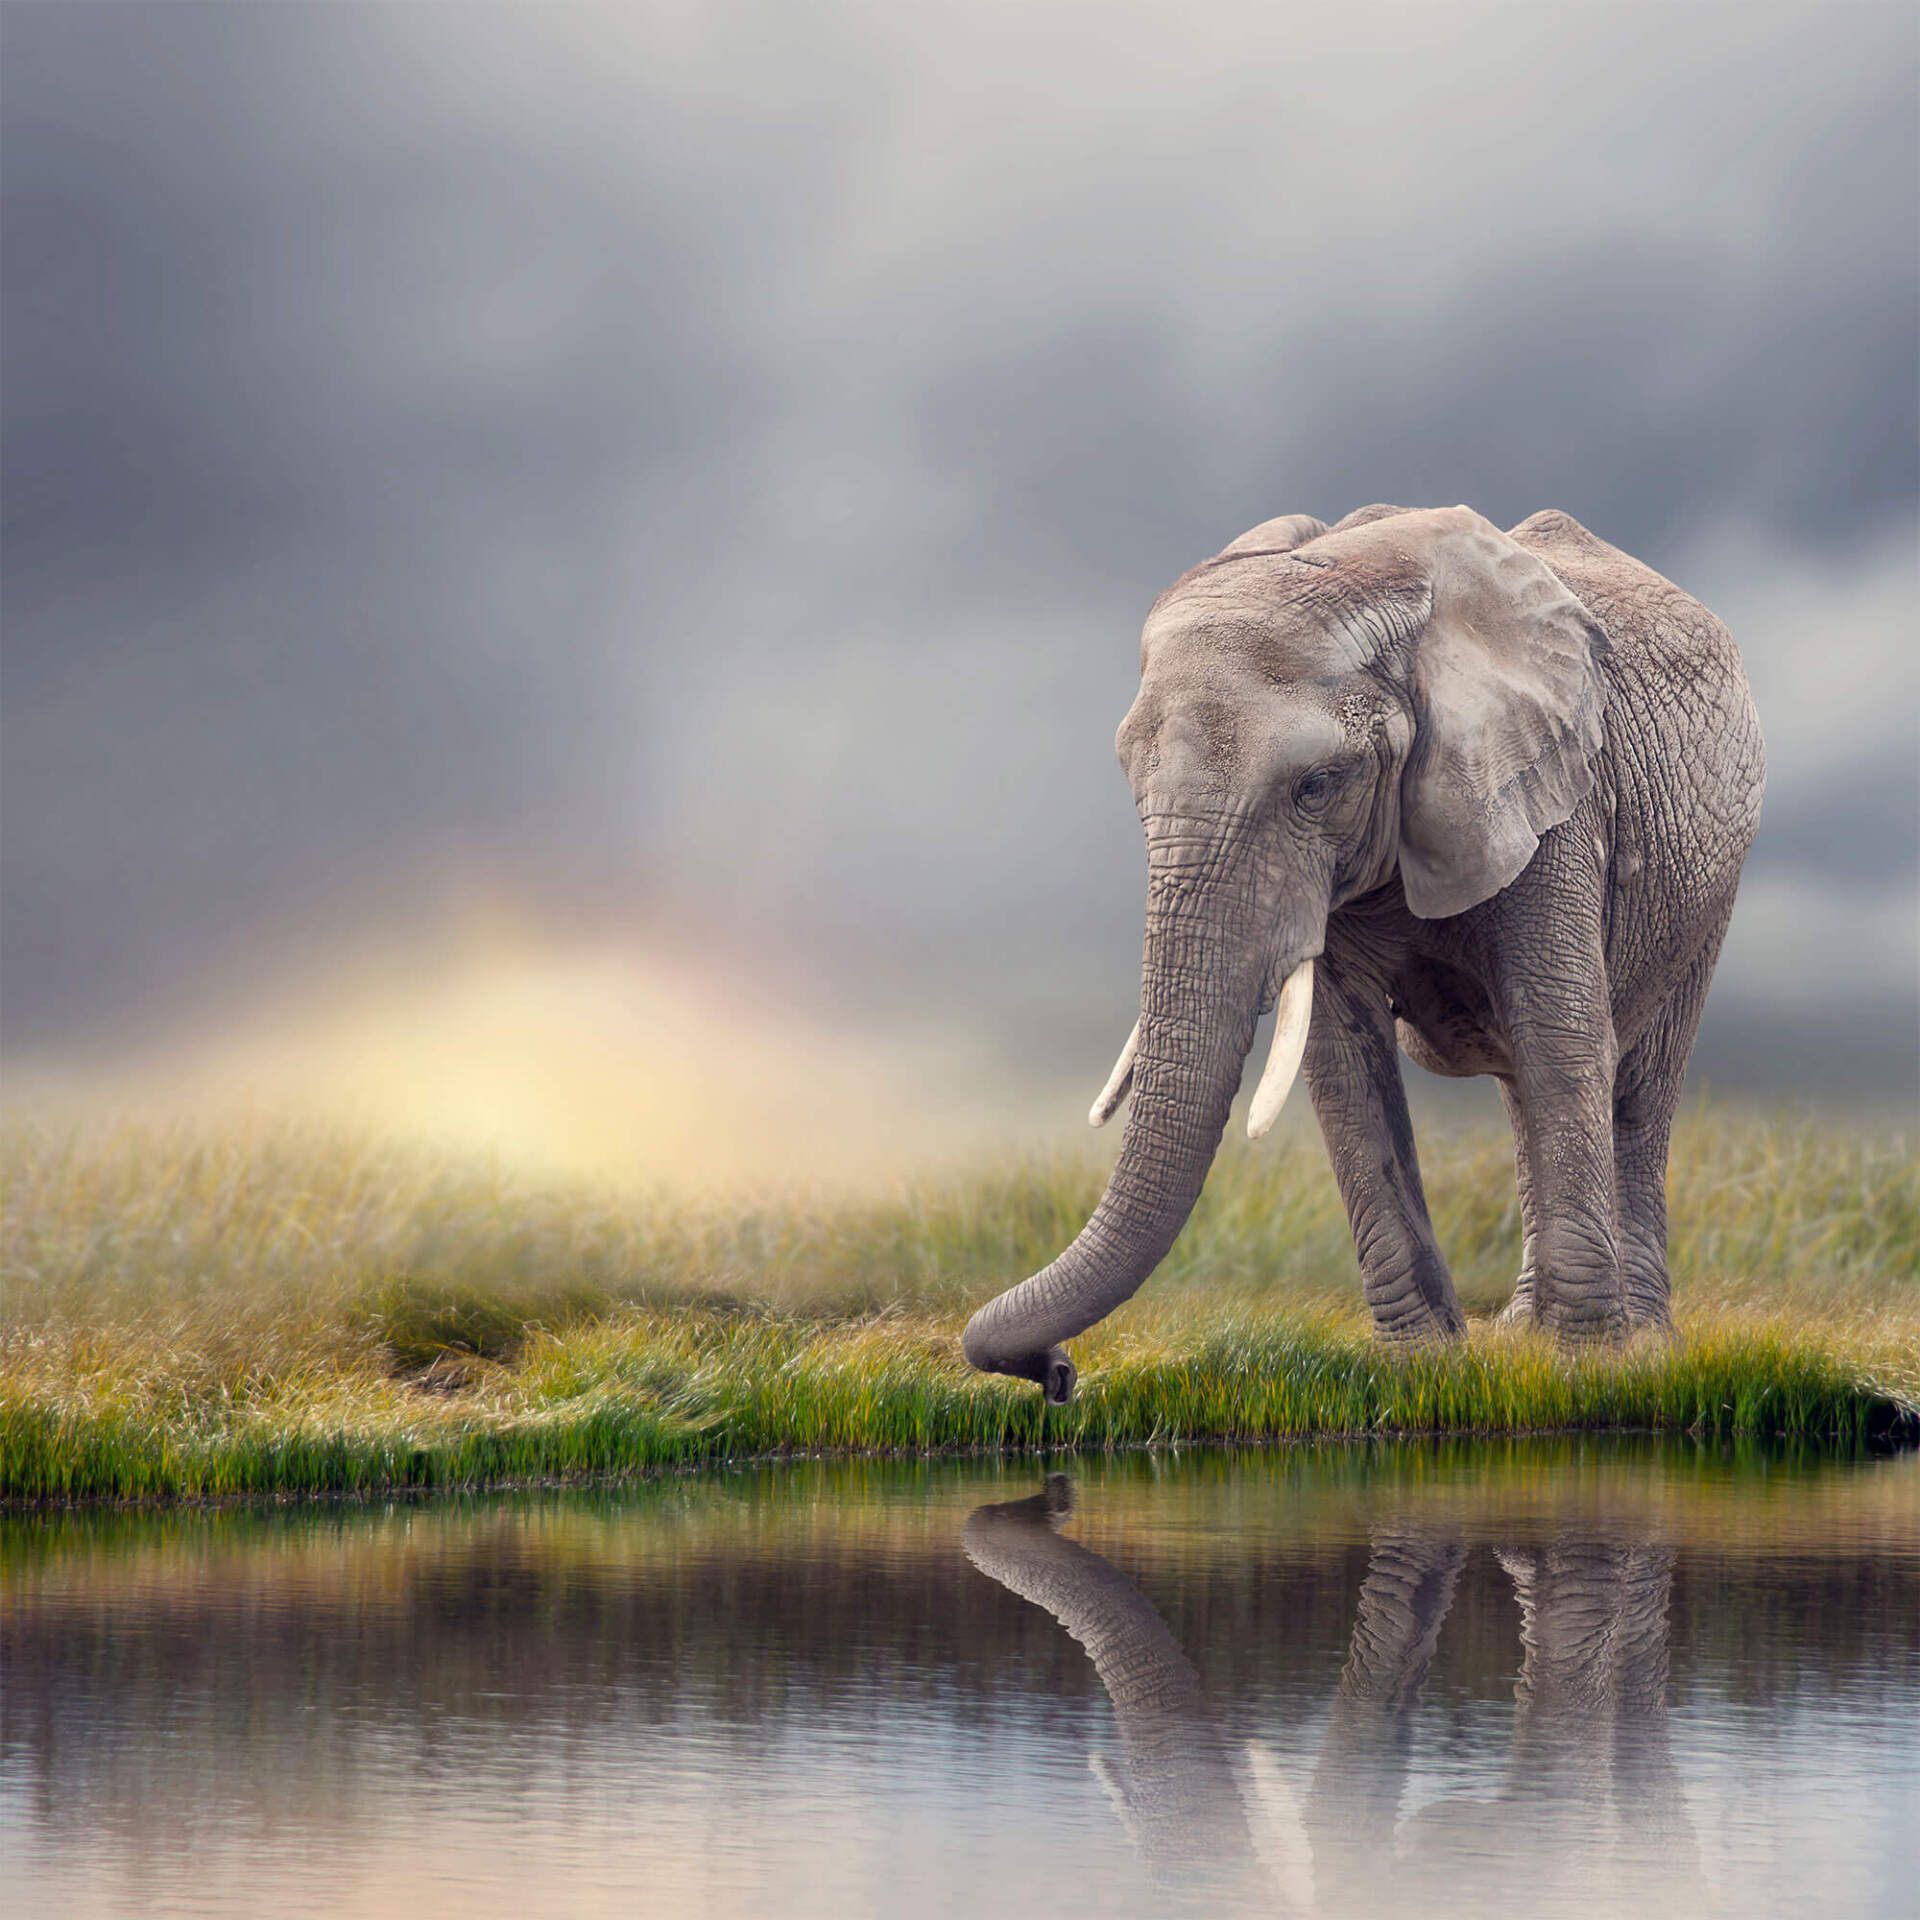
287	1312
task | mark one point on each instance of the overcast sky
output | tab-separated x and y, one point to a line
705	467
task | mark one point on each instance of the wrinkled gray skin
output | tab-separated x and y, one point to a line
1499	786
1590	1720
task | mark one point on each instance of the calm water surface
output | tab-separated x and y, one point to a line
1544	1678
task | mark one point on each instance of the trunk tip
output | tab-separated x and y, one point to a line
1051	1371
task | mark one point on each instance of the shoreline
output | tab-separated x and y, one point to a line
654	1394
1898	1433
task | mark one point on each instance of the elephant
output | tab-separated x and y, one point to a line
1426	786
1589	1776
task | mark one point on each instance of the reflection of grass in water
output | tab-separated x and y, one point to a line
285	1311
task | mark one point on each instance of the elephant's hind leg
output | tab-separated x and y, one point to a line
1646	1093
1519	1311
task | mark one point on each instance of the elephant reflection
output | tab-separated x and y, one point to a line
1174	1788
1590	1777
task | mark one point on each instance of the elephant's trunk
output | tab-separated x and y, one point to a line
1207	961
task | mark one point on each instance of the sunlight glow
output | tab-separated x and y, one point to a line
571	1054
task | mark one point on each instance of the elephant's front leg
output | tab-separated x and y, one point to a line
1353	1074
1550	990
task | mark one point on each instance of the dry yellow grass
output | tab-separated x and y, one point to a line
283	1310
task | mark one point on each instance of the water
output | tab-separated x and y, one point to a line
1548	1678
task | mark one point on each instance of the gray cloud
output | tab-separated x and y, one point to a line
718	459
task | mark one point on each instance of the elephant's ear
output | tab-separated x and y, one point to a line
1506	684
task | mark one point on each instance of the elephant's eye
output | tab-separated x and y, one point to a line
1312	791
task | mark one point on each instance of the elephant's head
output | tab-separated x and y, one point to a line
1411	694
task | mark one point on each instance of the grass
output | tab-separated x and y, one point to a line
284	1312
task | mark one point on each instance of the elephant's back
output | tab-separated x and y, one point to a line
1686	764
1658	630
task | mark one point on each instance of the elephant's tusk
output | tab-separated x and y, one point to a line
1118	1081
1289	1043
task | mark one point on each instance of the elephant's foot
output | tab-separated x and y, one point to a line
1428	1327
1649	1297
1519	1311
1590	1322
1584	1322
1413	1301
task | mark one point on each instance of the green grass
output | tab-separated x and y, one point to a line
287	1312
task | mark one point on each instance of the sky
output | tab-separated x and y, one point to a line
677	487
